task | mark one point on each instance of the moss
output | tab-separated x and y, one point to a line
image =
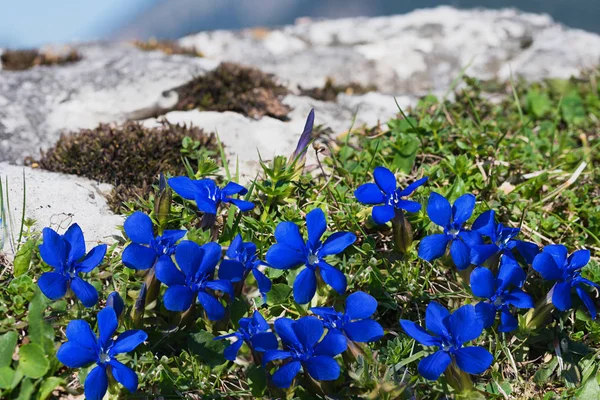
19	60
167	47
232	87
330	91
129	157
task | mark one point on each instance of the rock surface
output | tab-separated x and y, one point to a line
404	56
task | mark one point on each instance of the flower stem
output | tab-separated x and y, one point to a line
536	317
403	235
459	380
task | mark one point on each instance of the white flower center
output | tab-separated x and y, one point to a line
313	259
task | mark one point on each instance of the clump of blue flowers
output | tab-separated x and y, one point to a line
254	332
449	332
66	254
291	251
84	348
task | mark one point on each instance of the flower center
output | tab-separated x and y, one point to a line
313	259
104	357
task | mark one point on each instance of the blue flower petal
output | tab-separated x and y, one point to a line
365	330
587	300
360	305
128	341
323	368
107	325
124	375
79	332
96	383
519	299
172	236
561	298
558	253
579	259
324	312
433	246
305	286
483	282
272	355
53	285
213	307
474	359
210	259
316	226
332	344
235	247
409	205
546	265
288	233
439	209
464	324
412	187
74	236
308	330
264	283
508	322
305	137
230	353
462	209
178	298
116	302
418	333
167	272
138	227
189	255
471	238
434	365
385	179
527	250
333	277
285	329
264	341
510	274
481	253
221	285
73	355
383	214
205	204
485	224
283	377
54	249
233	188
486	313
243	205
184	186
282	256
337	243
231	270
92	259
435	314
461	255
369	194
259	321
138	257
84	291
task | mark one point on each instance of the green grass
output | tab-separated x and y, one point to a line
533	157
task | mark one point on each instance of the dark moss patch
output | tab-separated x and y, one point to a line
167	47
130	157
232	87
330	91
19	60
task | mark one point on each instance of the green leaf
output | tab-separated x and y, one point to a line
48	386
209	350
590	391
543	374
278	294
23	257
40	331
32	361
405	150
8	341
572	108
7	374
538	103
257	380
26	391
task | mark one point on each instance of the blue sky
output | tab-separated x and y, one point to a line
31	23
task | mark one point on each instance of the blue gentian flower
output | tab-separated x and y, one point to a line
503	241
355	322
254	332
66	254
195	277
500	293
291	251
115	301
554	265
245	254
449	332
305	137
452	219
146	248
384	191
84	348
301	347
207	195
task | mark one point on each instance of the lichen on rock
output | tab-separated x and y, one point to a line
19	60
167	47
330	90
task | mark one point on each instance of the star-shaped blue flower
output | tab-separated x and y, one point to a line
302	349
207	195
355	322
503	241
146	248
245	254
84	348
195	277
452	219
254	332
554	265
384	192
291	251
66	254
500	293
449	332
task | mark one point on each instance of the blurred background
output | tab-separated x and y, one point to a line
33	23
